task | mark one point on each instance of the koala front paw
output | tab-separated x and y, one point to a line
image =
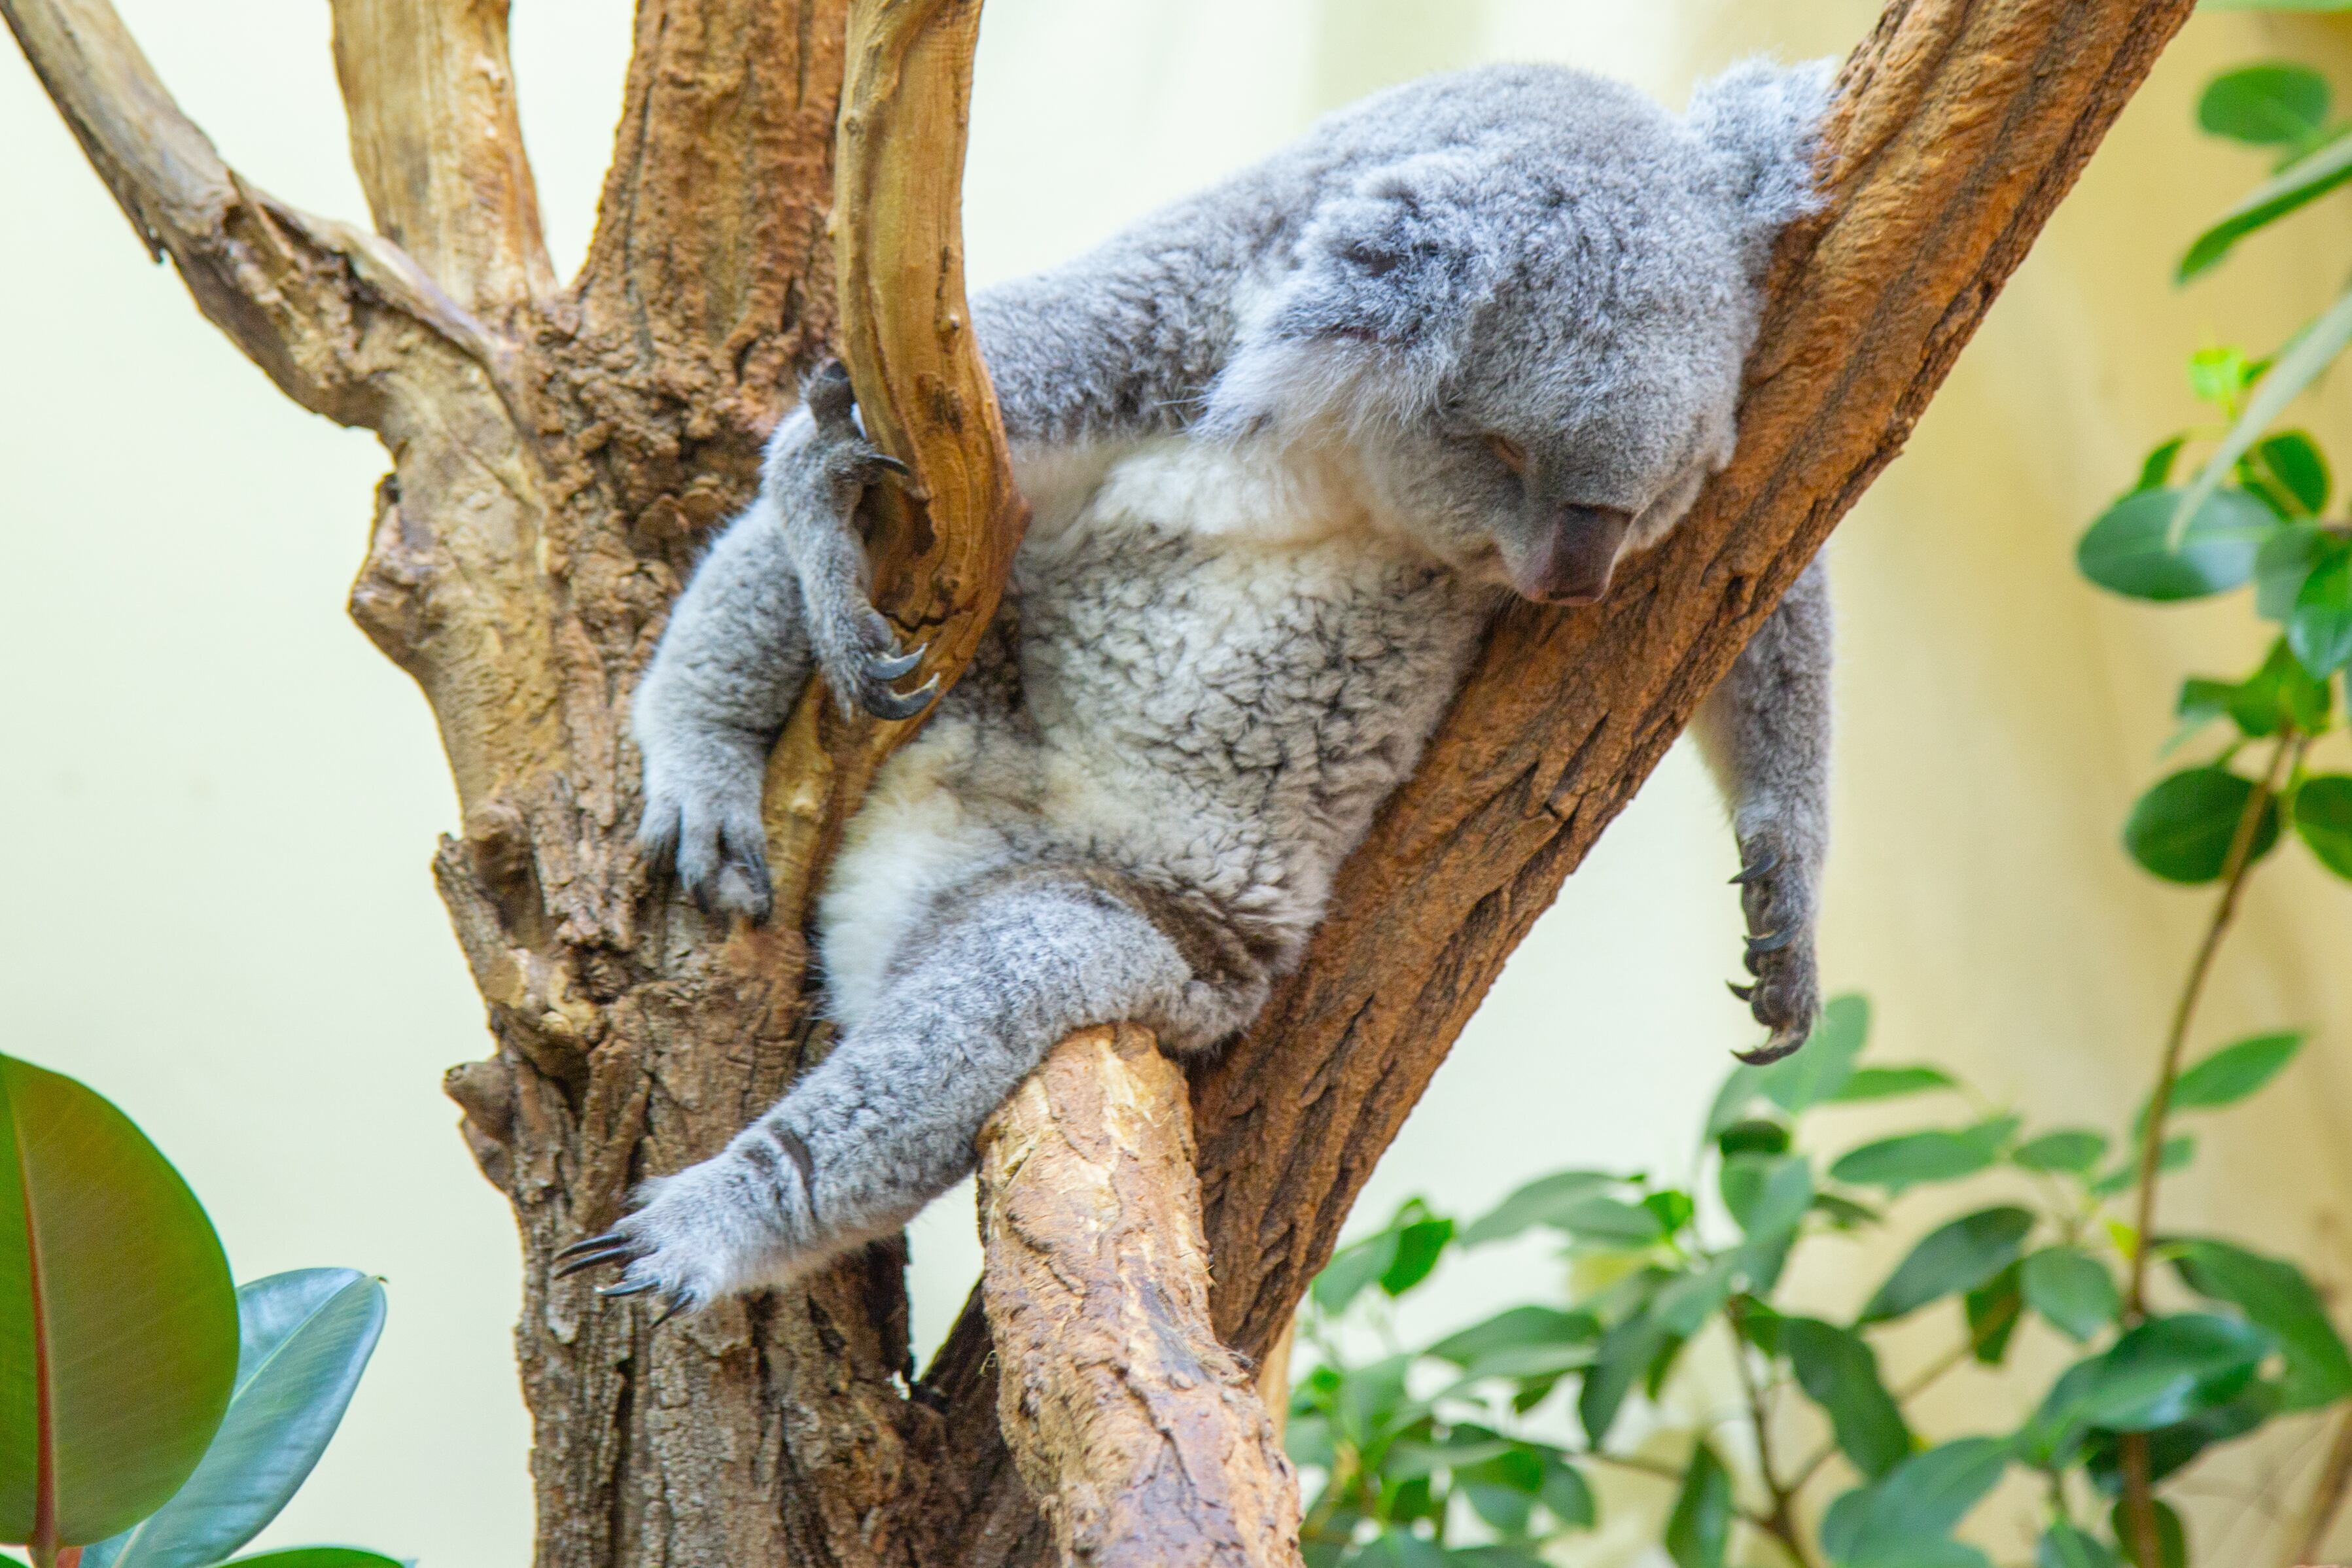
856	651
708	1232
704	817
1776	893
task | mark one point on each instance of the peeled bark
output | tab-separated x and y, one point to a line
561	451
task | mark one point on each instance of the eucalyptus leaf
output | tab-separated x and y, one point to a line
1700	1525
1517	1327
1953	1257
1418	1245
1936	1155
1568	1495
2234	1071
1535	1204
2276	1296
2070	1150
2130	549
1626	1352
2182	828
1904	1516
1887	1083
2072	1290
1839	1372
2269	105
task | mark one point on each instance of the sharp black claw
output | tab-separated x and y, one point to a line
588	1260
1771	943
628	1287
894	705
675	1307
1771	1050
1742	992
889	464
898	665
591	1244
1759	870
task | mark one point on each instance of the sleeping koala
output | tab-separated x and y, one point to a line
1289	445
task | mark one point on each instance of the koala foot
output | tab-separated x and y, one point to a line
705	818
710	1231
1776	895
856	648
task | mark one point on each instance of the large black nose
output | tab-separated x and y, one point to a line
1574	562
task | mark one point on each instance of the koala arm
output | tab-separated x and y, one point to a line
1765	732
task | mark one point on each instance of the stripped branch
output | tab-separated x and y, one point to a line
434	137
1143	1439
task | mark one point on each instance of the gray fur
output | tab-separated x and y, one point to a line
1288	444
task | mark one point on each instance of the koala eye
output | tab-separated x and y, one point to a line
1509	453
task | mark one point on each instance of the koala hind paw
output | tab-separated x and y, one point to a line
1777	900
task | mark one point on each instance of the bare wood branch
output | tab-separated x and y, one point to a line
1143	1439
430	92
332	314
1959	128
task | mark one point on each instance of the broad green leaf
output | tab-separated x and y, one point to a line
2320	630
2156	471
1886	1083
319	1557
1398	1547
1840	1372
2276	1296
2323	815
1626	1352
1535	1204
1517	1327
1771	1223
2235	1072
1956	1257
1700	1526
1822	1066
2171	1539
2064	1546
2181	829
1568	1495
1695	1297
2299	470
2129	548
1351	1269
2281	567
2297	367
1898	1517
1418	1245
1939	1154
2303	181
2074	1150
131	1328
1370	1402
1543	1363
2281	694
1608	1221
1993	1309
2160	1372
2175	1447
2269	105
1844	1213
2072	1290
306	1336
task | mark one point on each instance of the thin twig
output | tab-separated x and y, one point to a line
1782	1524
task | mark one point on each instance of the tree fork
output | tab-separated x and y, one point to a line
560	453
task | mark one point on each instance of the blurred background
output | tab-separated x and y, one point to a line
222	801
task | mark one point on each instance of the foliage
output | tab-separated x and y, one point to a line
1478	1448
152	1415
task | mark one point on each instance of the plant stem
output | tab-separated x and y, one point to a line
1782	1524
1666	1472
2139	1493
2326	1495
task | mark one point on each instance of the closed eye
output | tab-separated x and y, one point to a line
1509	453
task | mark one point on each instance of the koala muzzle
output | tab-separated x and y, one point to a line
1573	561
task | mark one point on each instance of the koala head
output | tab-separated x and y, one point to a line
1530	308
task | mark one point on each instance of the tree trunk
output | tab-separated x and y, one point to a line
559	452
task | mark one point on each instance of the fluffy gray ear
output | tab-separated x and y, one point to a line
1762	122
1388	282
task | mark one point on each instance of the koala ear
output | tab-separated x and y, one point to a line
1762	121
1388	282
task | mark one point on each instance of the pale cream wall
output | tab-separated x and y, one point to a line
223	800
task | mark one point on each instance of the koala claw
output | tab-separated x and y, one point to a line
1742	992
628	1287
902	704
1772	942
1783	1042
892	669
1762	869
582	1255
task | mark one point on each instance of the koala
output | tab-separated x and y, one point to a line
1289	445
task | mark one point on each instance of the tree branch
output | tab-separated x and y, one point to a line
328	311
1143	1439
434	137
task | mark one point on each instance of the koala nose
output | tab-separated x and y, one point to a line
1573	564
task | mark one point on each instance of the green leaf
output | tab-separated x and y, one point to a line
2268	105
2179	1150
1626	1352
131	1327
1695	1297
1840	1372
2072	1290
306	1336
2303	181
1952	1258
1822	1066
2276	1296
1887	1083
2173	1449
2171	1539
2323	815
2076	1151
1700	1525
2156	470
1418	1247
2320	630
1993	1309
1939	1154
1843	1213
2235	1072
2281	569
2064	1546
2299	470
1753	1137
1513	1329
1568	1494
2282	692
1538	1203
2181	829
1351	1269
1914	1506
2129	550
1609	1221
2160	1372
319	1557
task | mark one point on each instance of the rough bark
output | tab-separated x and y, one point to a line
1143	1439
559	452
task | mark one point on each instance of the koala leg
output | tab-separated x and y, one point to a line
887	1121
1766	733
729	667
818	466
